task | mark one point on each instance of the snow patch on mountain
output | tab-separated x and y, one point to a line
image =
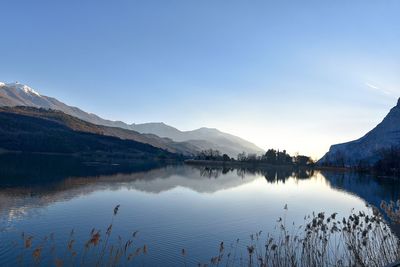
21	87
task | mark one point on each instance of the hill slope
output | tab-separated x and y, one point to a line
15	94
12	95
79	125
366	150
203	138
23	129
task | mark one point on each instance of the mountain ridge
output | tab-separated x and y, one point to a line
16	94
204	138
77	124
366	150
54	132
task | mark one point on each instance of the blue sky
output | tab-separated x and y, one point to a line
295	75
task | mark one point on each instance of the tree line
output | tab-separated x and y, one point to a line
272	157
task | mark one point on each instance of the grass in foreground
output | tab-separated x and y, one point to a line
324	240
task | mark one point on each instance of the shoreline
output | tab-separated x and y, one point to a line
238	164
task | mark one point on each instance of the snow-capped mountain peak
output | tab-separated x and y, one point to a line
21	87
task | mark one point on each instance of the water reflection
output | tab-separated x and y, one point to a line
272	174
36	169
370	188
173	206
373	190
31	181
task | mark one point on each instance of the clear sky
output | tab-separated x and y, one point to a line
295	75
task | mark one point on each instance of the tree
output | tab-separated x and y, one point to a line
209	154
284	158
302	160
225	157
252	157
270	156
241	156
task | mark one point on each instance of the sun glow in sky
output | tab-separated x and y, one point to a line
294	75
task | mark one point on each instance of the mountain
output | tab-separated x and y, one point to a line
16	94
203	138
366	150
28	129
83	126
185	142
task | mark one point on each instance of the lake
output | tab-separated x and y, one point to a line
172	207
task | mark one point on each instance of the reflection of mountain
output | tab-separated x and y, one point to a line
18	195
372	189
190	178
46	174
39	169
27	182
147	178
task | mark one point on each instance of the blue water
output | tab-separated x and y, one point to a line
174	208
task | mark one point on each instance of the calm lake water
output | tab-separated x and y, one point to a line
172	207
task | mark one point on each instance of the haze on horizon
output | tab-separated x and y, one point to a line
287	75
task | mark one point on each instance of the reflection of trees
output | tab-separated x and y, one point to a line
210	172
281	175
241	173
304	173
226	170
214	172
271	174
